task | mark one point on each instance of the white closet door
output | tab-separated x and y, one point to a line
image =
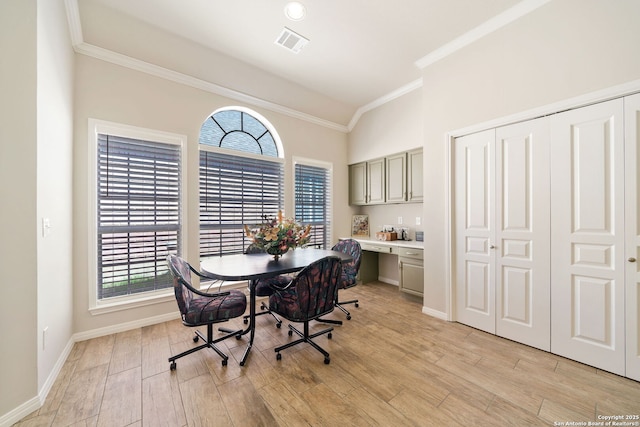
587	235
632	233
475	231
522	226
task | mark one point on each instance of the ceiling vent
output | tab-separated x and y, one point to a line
291	40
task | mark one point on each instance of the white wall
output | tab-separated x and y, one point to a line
562	50
54	194
113	93
18	239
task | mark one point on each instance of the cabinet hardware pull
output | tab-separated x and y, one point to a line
492	247
632	259
411	253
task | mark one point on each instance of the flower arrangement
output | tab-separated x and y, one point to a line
277	235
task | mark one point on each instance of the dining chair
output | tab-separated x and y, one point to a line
311	294
265	288
199	308
349	274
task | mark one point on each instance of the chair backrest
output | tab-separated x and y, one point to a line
317	287
351	247
181	273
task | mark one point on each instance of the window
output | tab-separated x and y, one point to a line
138	209
241	178
313	199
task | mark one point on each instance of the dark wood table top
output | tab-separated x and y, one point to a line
262	265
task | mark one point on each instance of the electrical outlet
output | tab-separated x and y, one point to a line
46	227
44	337
417	220
399	220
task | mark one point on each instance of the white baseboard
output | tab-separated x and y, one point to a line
435	313
20	412
388	281
122	327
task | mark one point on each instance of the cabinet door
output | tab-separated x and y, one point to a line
475	231
411	276
414	176
358	184
522	227
396	170
587	223
375	181
632	233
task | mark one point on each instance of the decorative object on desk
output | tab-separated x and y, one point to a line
360	226
386	235
277	235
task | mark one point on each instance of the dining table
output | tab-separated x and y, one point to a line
253	267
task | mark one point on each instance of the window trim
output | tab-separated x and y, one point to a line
96	127
321	164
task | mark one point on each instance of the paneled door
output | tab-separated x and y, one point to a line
502	232
587	235
523	260
632	233
475	230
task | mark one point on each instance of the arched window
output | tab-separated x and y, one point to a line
241	178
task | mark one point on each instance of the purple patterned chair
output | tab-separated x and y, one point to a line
348	277
311	294
265	287
201	308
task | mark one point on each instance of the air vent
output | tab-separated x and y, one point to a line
291	40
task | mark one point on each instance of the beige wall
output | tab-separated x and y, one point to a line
564	49
113	93
18	232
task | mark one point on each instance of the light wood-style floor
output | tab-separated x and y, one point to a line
391	365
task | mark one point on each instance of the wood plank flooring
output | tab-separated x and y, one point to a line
391	365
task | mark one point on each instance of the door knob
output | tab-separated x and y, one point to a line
632	259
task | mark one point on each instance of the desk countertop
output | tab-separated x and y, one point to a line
398	243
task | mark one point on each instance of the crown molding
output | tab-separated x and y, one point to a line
409	87
493	24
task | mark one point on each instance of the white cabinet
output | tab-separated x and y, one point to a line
548	234
358	184
502	229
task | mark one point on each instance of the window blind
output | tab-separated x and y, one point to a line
139	214
313	201
234	191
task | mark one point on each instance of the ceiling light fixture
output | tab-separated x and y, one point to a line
295	11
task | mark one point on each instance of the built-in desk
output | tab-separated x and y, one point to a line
410	263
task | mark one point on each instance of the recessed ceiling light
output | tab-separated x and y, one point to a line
295	11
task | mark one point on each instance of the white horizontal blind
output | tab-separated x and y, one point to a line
234	191
139	214
313	201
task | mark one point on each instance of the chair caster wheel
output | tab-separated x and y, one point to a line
327	360
278	356
242	363
224	362
238	336
196	338
329	335
246	321
173	366
278	325
357	305
290	332
348	317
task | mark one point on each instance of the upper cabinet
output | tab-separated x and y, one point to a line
367	182
393	179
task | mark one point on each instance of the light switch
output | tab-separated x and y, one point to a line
417	220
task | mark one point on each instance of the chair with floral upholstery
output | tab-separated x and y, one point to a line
202	308
311	294
348	277
265	287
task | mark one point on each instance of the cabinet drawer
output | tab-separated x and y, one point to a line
372	247
408	252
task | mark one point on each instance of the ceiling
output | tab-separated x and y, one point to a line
359	51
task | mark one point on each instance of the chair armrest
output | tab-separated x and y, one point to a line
201	293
